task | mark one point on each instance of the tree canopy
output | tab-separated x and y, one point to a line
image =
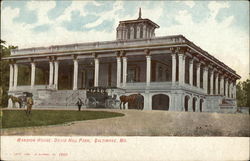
243	93
4	72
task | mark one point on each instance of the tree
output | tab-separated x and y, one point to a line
4	73
243	93
246	88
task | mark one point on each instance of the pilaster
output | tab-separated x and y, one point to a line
33	74
124	79
75	74
56	66
191	62
198	69
96	79
148	73
118	75
173	67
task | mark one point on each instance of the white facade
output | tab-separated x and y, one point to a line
170	72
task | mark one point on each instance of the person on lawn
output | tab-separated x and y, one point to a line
79	104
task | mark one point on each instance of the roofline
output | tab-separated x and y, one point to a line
138	20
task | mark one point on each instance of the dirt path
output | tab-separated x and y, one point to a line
148	123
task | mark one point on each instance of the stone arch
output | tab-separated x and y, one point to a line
201	104
160	102
194	104
186	102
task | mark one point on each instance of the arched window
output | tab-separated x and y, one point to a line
160	102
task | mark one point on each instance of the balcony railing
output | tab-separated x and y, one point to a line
98	45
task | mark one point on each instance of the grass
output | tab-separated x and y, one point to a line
18	118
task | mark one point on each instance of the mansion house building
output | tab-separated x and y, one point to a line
171	72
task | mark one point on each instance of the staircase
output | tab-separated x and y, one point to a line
61	98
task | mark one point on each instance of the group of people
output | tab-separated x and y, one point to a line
23	101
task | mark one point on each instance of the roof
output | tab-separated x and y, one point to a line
139	20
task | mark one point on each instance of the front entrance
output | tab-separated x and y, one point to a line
160	102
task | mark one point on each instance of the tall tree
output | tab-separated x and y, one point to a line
243	93
4	73
246	88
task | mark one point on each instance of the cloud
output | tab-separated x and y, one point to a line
222	39
75	6
215	7
42	10
189	3
228	44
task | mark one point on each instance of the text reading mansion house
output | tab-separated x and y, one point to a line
171	72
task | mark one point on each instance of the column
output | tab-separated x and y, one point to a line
56	66
124	80
11	77
33	74
181	69
173	68
51	73
205	77
222	85
96	83
15	75
198	71
226	87
75	74
148	73
191	62
234	90
212	82
216	84
229	89
118	75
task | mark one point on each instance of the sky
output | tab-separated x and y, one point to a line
219	27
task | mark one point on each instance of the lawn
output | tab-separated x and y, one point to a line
18	118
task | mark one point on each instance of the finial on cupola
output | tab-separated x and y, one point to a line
139	13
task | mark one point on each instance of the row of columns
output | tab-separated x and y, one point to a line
230	88
54	67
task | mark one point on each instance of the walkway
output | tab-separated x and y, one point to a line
148	123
